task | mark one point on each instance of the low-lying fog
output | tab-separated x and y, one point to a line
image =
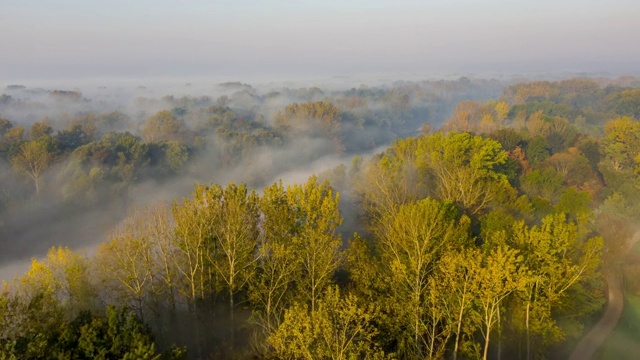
228	131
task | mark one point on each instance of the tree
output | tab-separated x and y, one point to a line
4	126
60	281
33	158
466	117
414	241
312	119
125	262
558	264
117	335
278	265
502	111
73	137
40	129
120	334
168	156
163	126
390	180
161	229
464	168
537	149
316	214
34	324
625	102
456	281
575	169
194	244
235	233
500	274
299	249
621	142
114	162
544	183
11	141
340	329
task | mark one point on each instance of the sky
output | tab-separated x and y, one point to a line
44	39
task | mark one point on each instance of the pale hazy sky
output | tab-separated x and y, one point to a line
85	38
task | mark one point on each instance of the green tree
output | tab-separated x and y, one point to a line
194	244
464	168
125	263
62	276
390	180
625	102
500	274
299	252
11	141
340	328
313	118
73	137
410	247
113	164
544	183
316	214
4	126
117	335
167	157
163	126
509	138
456	281
40	129
537	149
33	158
235	233
558	264
621	143
278	265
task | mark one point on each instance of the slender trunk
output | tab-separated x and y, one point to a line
202	276
139	299
527	331
416	334
416	296
489	320
232	327
269	324
486	343
174	325
499	336
193	312
457	342
432	343
313	297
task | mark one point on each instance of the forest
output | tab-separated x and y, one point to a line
438	219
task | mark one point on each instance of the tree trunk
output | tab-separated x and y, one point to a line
193	315
416	333
527	332
139	300
432	343
486	344
416	297
499	336
455	347
232	327
489	320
